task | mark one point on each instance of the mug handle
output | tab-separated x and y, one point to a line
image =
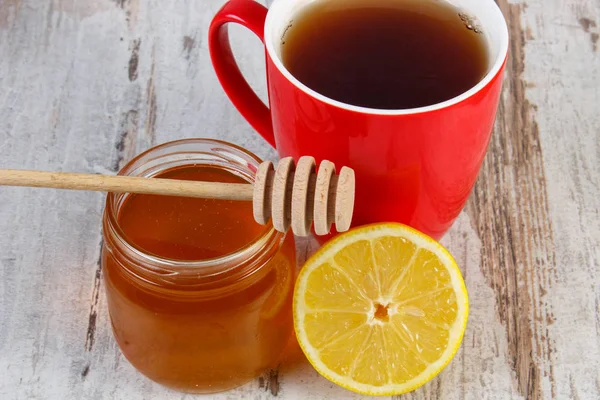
251	15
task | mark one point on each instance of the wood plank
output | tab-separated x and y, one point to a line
509	210
563	82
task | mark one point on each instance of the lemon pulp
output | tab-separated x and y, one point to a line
381	309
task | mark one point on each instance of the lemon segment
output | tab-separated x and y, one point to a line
381	309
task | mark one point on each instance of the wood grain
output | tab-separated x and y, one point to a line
85	86
509	210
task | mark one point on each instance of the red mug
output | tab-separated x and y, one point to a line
415	166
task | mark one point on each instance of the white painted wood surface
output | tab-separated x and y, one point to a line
85	85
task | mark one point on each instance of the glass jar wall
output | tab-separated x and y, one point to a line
199	294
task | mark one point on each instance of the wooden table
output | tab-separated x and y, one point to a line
86	85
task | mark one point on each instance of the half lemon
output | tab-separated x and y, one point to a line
381	309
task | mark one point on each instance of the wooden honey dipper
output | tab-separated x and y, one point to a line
291	195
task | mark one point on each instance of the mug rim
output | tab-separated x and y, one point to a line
279	6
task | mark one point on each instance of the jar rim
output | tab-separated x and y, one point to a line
267	239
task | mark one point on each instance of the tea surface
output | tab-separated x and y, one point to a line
385	54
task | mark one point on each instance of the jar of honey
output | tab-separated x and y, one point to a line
199	294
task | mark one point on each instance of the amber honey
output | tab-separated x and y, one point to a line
199	294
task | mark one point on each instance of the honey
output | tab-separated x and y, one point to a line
199	294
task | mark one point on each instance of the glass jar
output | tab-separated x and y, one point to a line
196	325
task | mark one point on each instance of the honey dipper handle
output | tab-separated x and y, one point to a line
126	184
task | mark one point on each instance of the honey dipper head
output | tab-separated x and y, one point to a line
297	194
